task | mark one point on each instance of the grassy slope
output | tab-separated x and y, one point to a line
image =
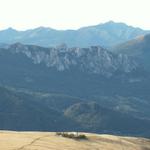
49	141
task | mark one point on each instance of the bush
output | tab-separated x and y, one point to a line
58	133
72	136
82	136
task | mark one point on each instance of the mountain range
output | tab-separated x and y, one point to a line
73	71
107	34
77	83
102	89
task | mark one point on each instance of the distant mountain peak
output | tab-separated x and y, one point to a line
110	22
9	30
42	28
107	34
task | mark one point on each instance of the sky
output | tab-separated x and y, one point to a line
72	14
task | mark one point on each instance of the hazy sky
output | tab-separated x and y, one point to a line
72	14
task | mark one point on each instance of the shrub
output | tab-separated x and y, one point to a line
58	133
72	136
82	136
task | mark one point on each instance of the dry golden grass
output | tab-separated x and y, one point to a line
49	141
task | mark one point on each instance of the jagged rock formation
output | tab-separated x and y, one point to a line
95	59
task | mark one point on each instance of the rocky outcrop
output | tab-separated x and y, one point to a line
95	59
